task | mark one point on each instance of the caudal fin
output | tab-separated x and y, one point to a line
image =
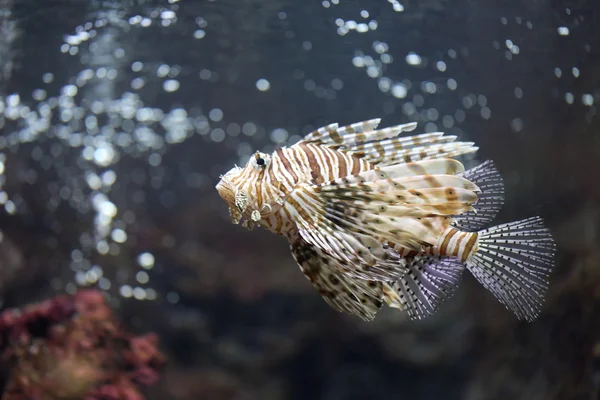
514	261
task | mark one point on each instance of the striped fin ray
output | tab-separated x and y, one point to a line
342	292
514	261
432	199
399	143
333	135
423	195
360	256
431	281
408	232
491	198
354	134
354	250
351	138
426	167
388	185
360	208
322	135
395	152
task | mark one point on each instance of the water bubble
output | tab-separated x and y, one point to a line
10	207
517	124
109	177
279	135
358	61
167	14
201	22
263	85
557	72
486	113
104	155
337	84
518	93
137	66
93	181
215	114
569	98
399	91
429	87
362	27
249	128
119	235
217	135
104	283
142	277
126	291
154	159
48	77
38	95
146	260
163	70
138	83
172	297
171	85
205	74
413	59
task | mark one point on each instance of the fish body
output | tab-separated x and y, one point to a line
373	217
304	164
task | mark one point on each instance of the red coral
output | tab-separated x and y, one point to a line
71	347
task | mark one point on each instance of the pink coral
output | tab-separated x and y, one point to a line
71	347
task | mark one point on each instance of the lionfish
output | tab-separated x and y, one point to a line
373	217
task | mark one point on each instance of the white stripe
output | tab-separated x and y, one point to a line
320	159
282	174
451	248
463	245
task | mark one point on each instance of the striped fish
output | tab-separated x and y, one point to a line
373	217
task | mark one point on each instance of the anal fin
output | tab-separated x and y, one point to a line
431	281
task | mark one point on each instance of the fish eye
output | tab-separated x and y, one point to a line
261	160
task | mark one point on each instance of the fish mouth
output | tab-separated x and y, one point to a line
238	213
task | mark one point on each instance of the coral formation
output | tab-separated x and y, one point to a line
72	347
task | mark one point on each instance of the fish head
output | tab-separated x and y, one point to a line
248	192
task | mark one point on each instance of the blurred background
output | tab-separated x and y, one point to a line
117	117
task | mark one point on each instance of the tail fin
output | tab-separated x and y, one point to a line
491	198
513	261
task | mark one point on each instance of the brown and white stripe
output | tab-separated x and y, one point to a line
303	163
451	243
456	243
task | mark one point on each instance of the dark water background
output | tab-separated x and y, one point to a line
235	315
